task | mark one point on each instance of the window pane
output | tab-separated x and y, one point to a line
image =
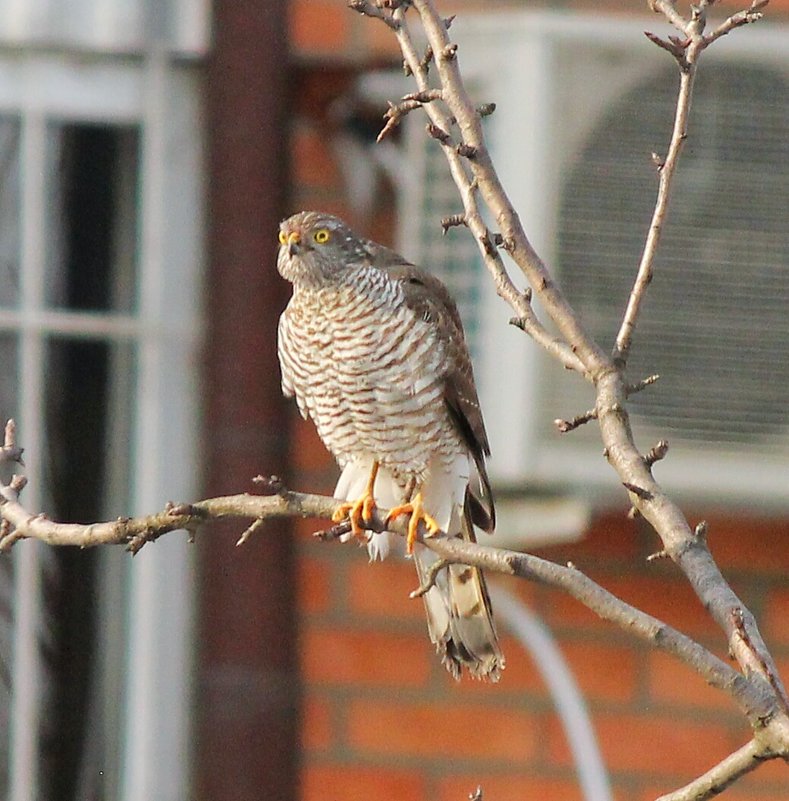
88	426
89	423
9	210
91	258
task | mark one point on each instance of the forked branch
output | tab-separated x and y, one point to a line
479	186
686	50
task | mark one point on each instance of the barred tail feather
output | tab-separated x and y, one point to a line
459	616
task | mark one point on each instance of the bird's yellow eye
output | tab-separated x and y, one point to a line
322	236
283	238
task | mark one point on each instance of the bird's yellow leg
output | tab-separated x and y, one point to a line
361	510
418	514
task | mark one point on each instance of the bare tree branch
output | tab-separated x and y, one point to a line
758	705
686	52
469	123
651	502
456	122
134	533
666	171
691	555
754	702
465	174
724	774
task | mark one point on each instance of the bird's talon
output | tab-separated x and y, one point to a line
349	512
358	512
413	528
418	514
341	512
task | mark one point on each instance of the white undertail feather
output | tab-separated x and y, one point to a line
352	485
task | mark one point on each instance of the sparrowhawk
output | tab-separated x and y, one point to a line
373	350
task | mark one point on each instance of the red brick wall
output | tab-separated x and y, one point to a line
381	719
382	715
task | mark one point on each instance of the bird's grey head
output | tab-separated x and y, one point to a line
316	249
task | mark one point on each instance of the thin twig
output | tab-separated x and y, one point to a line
565	426
687	58
724	774
397	111
687	52
364	7
250	530
442	118
632	389
657	452
746	17
452	221
430	579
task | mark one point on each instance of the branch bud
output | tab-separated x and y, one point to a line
438	133
451	222
467	151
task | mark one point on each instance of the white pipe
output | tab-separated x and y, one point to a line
570	705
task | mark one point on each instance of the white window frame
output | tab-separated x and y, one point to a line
161	96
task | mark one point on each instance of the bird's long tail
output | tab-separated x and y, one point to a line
459	616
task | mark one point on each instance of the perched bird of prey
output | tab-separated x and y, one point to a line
373	350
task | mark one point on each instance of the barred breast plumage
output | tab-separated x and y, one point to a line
373	351
368	388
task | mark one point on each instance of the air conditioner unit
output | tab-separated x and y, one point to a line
582	103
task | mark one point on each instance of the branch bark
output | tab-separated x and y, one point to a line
134	533
723	775
476	175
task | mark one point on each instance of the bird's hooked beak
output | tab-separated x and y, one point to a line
293	242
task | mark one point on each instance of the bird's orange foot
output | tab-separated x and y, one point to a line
418	514
361	510
358	513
